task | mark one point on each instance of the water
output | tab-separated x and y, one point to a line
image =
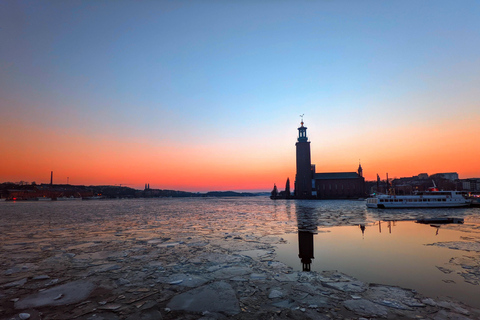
345	236
34	234
402	257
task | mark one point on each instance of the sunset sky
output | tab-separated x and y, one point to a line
206	95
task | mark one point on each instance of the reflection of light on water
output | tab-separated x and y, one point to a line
388	252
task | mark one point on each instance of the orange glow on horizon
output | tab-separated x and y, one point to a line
407	151
93	161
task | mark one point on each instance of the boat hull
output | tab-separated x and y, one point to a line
407	206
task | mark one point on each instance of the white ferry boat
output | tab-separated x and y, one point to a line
425	199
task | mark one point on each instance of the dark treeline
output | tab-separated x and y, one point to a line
25	191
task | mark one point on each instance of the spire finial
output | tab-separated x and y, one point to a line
301	116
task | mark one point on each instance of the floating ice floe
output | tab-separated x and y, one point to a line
215	297
71	292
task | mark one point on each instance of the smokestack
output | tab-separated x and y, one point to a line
51	178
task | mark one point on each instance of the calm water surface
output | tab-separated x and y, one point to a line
378	246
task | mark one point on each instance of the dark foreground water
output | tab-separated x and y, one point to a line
85	238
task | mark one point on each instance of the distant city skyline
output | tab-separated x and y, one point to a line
207	95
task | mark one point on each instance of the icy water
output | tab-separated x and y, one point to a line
389	246
398	253
147	243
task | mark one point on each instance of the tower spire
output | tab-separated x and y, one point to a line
302	131
360	169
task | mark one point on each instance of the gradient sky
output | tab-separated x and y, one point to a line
206	95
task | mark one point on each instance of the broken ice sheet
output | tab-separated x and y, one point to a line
459	245
140	250
182	279
68	293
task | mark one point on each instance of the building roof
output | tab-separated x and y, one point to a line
336	175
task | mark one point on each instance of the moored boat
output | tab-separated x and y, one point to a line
425	199
93	198
475	198
67	198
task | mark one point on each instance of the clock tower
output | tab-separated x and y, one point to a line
303	178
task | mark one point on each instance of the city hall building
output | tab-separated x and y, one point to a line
323	185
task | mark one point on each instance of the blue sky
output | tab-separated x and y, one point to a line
216	72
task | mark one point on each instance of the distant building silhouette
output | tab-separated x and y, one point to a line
286	194
287	189
323	185
274	193
422	182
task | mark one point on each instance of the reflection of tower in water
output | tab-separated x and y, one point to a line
307	226
305	249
